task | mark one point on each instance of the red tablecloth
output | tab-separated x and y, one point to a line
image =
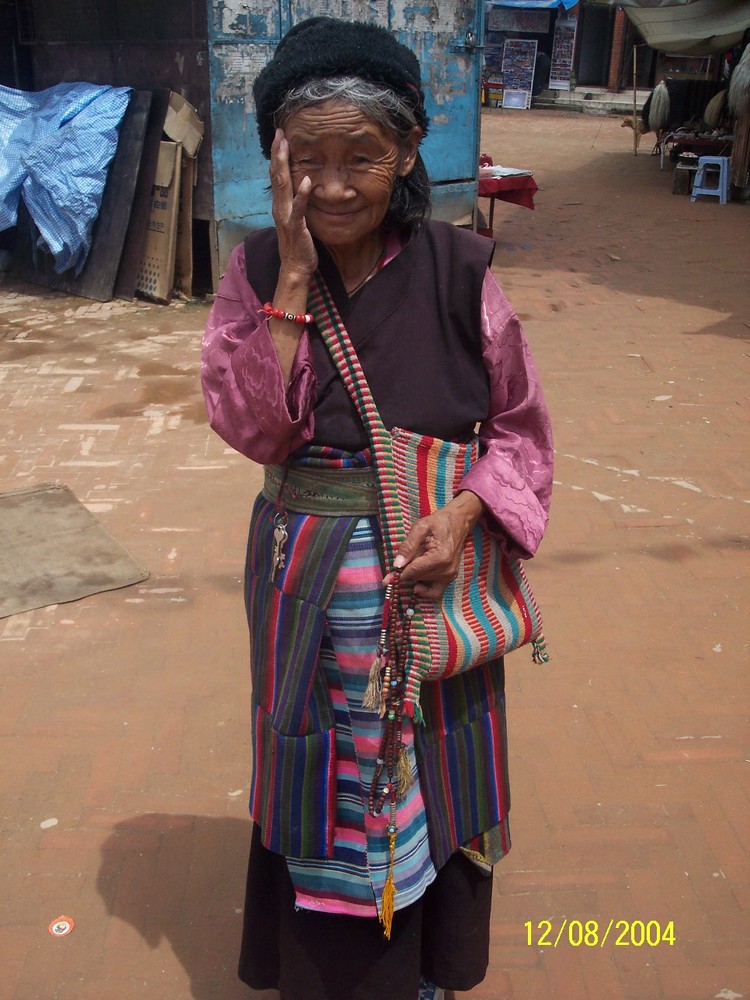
518	190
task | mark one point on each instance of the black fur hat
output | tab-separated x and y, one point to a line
324	47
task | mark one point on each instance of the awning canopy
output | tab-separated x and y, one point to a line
534	4
689	27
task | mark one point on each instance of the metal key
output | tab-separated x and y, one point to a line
280	535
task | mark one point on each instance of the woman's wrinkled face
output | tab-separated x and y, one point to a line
352	163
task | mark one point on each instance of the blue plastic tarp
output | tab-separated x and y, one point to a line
56	146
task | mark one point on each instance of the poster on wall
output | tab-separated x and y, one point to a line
519	56
562	53
493	56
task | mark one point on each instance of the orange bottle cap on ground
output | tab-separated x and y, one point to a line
61	926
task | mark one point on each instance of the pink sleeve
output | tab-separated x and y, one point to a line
513	477
248	404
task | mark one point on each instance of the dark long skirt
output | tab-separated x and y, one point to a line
306	955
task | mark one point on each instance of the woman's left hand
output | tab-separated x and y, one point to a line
431	552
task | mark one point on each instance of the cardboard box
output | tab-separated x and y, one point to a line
183	125
156	275
183	263
167	258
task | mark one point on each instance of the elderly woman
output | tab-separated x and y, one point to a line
341	116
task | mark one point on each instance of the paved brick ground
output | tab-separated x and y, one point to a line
124	717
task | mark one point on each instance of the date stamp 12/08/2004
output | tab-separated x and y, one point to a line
596	934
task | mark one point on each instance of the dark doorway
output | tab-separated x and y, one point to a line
594	46
15	61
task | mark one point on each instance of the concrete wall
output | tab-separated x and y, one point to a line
182	67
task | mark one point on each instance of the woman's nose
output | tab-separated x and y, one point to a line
333	183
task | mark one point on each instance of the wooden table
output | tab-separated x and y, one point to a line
518	189
702	145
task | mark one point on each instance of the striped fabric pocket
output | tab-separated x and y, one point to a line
293	794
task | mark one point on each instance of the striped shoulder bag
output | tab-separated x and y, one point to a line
489	609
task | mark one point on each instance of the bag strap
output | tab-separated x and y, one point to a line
337	340
387	678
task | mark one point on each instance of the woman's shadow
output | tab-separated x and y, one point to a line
182	877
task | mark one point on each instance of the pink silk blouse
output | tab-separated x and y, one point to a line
253	411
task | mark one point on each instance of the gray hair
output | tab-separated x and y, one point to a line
375	100
410	201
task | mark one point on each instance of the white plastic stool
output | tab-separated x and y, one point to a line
721	189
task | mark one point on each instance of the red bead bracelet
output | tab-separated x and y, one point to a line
300	318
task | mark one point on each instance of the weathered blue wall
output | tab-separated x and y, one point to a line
242	37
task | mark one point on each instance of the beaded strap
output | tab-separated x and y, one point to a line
403	655
338	342
387	682
393	524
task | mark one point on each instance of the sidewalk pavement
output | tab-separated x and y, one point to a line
124	717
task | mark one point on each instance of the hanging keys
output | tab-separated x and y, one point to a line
280	535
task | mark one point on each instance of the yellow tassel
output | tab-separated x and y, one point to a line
386	915
373	695
404	775
389	892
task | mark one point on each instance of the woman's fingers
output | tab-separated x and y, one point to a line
281	178
288	207
296	247
299	202
430	554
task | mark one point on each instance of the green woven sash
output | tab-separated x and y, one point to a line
325	492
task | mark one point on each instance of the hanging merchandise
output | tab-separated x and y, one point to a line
738	97
563	47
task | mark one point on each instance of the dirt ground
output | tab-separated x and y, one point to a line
124	717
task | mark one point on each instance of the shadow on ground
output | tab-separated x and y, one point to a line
612	218
181	877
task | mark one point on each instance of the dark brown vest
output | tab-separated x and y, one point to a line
416	326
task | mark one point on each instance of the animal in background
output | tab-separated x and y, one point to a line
639	127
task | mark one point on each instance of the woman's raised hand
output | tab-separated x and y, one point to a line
296	247
299	258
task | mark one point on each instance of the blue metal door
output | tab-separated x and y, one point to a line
242	38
